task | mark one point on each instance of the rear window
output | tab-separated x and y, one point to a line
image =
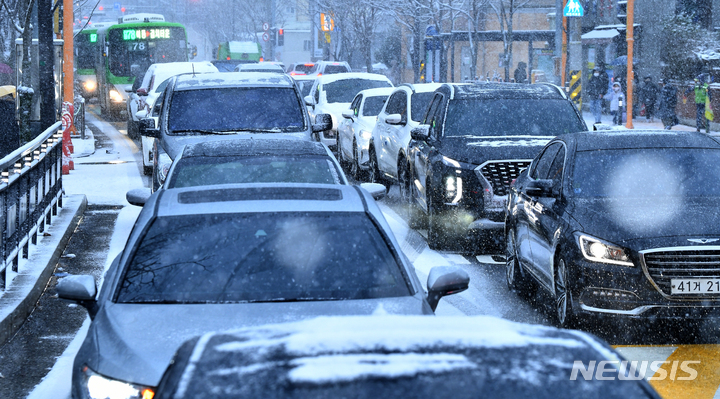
265	109
199	171
261	257
304	68
330	69
511	117
343	91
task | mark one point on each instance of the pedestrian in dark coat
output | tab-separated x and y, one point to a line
520	74
667	104
648	96
597	88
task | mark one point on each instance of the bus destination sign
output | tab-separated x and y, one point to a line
143	34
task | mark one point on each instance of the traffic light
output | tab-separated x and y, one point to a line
281	37
273	35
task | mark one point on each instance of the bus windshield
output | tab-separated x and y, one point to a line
84	48
143	47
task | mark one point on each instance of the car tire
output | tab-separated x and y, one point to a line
355	170
404	180
133	130
339	155
436	235
516	280
373	170
147	170
563	302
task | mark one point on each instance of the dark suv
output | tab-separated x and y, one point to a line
472	143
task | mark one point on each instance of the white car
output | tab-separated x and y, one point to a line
332	94
403	111
260	67
142	100
355	130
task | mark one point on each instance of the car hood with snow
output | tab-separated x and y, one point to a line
473	149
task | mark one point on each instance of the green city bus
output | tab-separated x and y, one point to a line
229	54
128	48
85	45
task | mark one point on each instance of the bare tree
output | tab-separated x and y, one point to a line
505	11
413	15
475	14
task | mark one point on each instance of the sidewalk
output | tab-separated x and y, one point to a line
639	123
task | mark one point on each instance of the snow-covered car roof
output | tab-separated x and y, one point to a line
506	90
380	91
391	355
626	139
323	79
421	87
233	79
166	70
245	147
260	67
261	197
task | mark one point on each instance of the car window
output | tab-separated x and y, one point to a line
199	171
397	103
343	91
419	104
436	118
356	104
303	68
511	117
162	85
650	173
556	168
317	94
330	69
373	105
237	108
261	257
542	166
158	104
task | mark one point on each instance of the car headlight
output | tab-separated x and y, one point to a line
90	85
115	96
101	387
164	164
453	188
596	250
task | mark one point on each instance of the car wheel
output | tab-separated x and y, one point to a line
147	170
563	297
404	180
339	154
132	129
355	170
516	281
373	170
436	235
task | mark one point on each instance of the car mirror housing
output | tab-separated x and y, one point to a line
601	126
420	133
393	119
377	190
323	122
147	128
141	92
348	113
309	101
539	188
142	114
138	196
443	281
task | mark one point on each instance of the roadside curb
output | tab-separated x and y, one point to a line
20	297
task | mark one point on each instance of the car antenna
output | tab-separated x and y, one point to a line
193	67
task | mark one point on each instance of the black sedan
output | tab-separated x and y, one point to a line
622	223
391	356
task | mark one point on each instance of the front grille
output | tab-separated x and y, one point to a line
662	266
501	173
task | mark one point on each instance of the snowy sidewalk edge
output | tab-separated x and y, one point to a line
19	299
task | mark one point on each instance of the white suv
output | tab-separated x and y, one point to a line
402	112
332	94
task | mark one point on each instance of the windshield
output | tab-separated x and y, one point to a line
217	258
649	173
85	46
237	108
419	104
144	47
373	105
343	91
200	171
511	117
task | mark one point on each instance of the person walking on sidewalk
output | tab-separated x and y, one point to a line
666	107
702	98
617	100
597	87
648	94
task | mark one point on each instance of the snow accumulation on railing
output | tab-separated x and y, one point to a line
30	193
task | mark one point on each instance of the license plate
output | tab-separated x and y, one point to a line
695	286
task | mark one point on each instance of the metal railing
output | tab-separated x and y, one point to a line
30	194
79	117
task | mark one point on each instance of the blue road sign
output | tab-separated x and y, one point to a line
573	8
116	6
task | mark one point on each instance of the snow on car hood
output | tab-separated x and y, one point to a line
135	342
175	144
648	220
479	149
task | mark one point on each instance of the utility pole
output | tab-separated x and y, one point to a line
68	85
47	62
630	73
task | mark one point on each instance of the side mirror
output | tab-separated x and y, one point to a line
443	281
142	114
138	196
393	119
147	128
601	126
142	92
129	90
323	122
420	133
348	113
539	188
377	190
309	101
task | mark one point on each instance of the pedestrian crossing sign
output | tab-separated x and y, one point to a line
573	8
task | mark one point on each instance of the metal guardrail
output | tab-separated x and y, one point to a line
30	194
79	117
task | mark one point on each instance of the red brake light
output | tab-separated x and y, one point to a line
309	65
228	58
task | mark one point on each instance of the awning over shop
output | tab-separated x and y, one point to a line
599	36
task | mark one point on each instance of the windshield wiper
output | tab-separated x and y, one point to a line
204	131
